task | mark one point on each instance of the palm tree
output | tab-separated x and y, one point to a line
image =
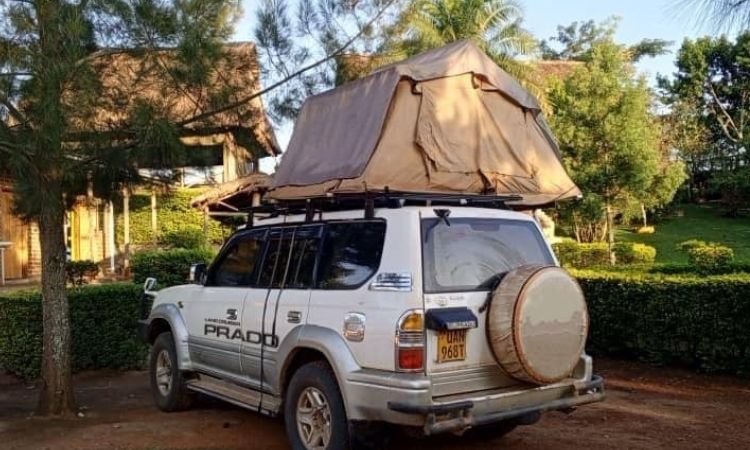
494	25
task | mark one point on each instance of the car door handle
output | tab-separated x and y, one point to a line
294	317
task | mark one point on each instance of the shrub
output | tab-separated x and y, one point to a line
189	237
628	253
169	267
79	273
573	254
103	322
682	269
700	321
710	257
646	230
686	246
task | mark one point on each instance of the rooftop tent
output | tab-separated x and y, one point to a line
445	121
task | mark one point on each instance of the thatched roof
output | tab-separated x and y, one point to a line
233	195
127	78
558	69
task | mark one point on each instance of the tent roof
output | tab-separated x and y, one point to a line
338	132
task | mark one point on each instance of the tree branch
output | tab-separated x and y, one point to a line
729	121
286	79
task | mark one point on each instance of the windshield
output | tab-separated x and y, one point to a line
469	254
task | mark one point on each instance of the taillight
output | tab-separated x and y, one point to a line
410	342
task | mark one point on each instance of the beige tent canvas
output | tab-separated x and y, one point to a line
447	121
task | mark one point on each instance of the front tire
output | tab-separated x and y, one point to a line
314	413
167	381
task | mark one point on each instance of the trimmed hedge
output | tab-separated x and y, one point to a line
573	254
169	267
699	321
103	321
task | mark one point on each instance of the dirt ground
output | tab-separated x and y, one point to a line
647	407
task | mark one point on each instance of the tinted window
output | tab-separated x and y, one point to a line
351	253
468	254
235	267
290	258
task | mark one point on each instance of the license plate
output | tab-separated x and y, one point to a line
451	346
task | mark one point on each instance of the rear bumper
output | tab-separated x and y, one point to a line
406	399
496	407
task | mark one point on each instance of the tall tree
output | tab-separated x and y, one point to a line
709	98
50	93
721	15
496	26
576	41
300	44
608	136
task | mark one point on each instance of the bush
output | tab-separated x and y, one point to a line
79	273
628	253
188	237
573	254
686	246
103	322
700	321
682	269
169	267
646	230
710	257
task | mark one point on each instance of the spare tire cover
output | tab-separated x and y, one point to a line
537	324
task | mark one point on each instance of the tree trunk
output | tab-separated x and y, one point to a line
610	234
645	216
56	397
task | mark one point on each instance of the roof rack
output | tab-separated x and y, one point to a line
368	201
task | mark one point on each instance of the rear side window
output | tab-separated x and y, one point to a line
469	254
235	268
290	258
351	253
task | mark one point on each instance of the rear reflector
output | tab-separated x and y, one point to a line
410	358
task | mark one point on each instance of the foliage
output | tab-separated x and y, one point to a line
700	321
81	272
577	40
103	323
722	15
710	111
176	220
710	257
573	254
608	136
306	41
169	267
496	26
686	246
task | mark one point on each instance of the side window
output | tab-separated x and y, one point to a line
237	263
297	265
351	253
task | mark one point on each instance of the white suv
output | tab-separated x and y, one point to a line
436	316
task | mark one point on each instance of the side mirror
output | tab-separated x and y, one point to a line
149	285
198	273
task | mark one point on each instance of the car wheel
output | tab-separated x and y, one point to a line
314	412
167	381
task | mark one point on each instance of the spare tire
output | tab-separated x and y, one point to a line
537	324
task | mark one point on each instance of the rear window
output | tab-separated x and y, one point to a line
468	254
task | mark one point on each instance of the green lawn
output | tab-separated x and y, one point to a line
699	222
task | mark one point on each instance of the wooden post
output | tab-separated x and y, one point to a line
205	226
126	230
154	224
111	235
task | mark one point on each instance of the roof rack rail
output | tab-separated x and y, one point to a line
368	201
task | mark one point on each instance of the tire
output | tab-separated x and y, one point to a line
173	396
313	386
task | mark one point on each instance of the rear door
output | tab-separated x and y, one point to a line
463	259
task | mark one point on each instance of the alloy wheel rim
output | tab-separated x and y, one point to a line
313	419
163	373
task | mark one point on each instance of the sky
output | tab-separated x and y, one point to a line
639	19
